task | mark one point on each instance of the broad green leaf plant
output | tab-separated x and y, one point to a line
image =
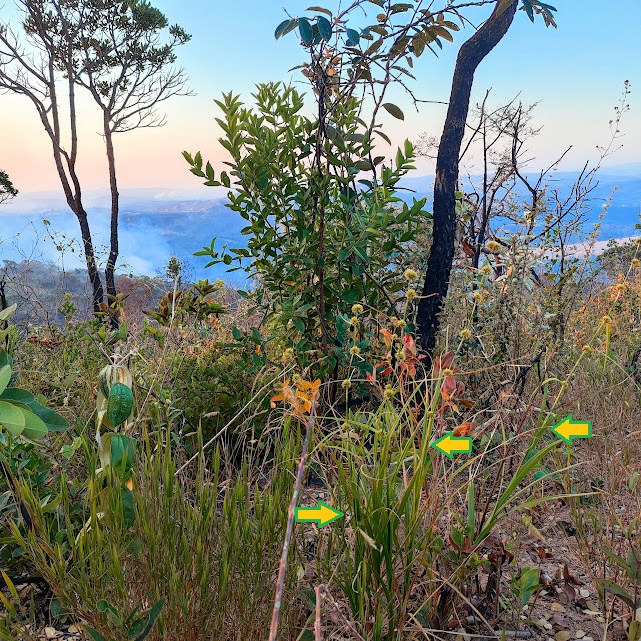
21	413
326	228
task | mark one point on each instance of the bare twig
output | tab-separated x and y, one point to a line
280	582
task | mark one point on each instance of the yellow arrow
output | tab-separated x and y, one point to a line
450	445
569	429
322	514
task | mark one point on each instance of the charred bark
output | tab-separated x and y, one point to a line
439	264
115	208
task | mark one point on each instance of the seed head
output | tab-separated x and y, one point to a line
411	275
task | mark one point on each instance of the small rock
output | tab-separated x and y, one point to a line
74	629
51	633
584	593
579	634
557	607
563	635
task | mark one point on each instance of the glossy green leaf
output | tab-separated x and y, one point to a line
95	635
305	31
325	27
123	452
353	37
128	507
284	28
153	614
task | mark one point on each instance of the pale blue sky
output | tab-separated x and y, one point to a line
576	71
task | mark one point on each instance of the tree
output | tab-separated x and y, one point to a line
115	49
401	33
121	59
320	202
38	74
439	264
7	190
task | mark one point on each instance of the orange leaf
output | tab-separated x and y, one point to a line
468	249
443	362
464	429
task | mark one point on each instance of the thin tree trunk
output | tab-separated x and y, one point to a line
113	239
439	264
46	88
98	294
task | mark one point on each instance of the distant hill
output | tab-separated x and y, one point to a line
156	224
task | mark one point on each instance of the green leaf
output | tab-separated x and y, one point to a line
153	615
305	31
615	558
11	418
363	165
34	427
95	635
5	377
527	5
18	395
7	313
53	420
284	28
128	507
353	37
617	590
123	451
324	27
394	110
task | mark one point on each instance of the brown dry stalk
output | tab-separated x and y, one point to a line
318	631
280	582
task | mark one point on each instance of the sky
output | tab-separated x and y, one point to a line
575	73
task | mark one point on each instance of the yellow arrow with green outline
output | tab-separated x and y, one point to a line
322	514
569	429
451	445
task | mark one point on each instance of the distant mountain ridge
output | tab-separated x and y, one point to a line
156	224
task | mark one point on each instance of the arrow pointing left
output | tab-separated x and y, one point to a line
450	444
322	514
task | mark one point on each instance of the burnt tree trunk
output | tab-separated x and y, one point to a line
113	238
439	264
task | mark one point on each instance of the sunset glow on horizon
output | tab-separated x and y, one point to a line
233	50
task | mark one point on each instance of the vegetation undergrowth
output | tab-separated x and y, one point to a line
151	469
